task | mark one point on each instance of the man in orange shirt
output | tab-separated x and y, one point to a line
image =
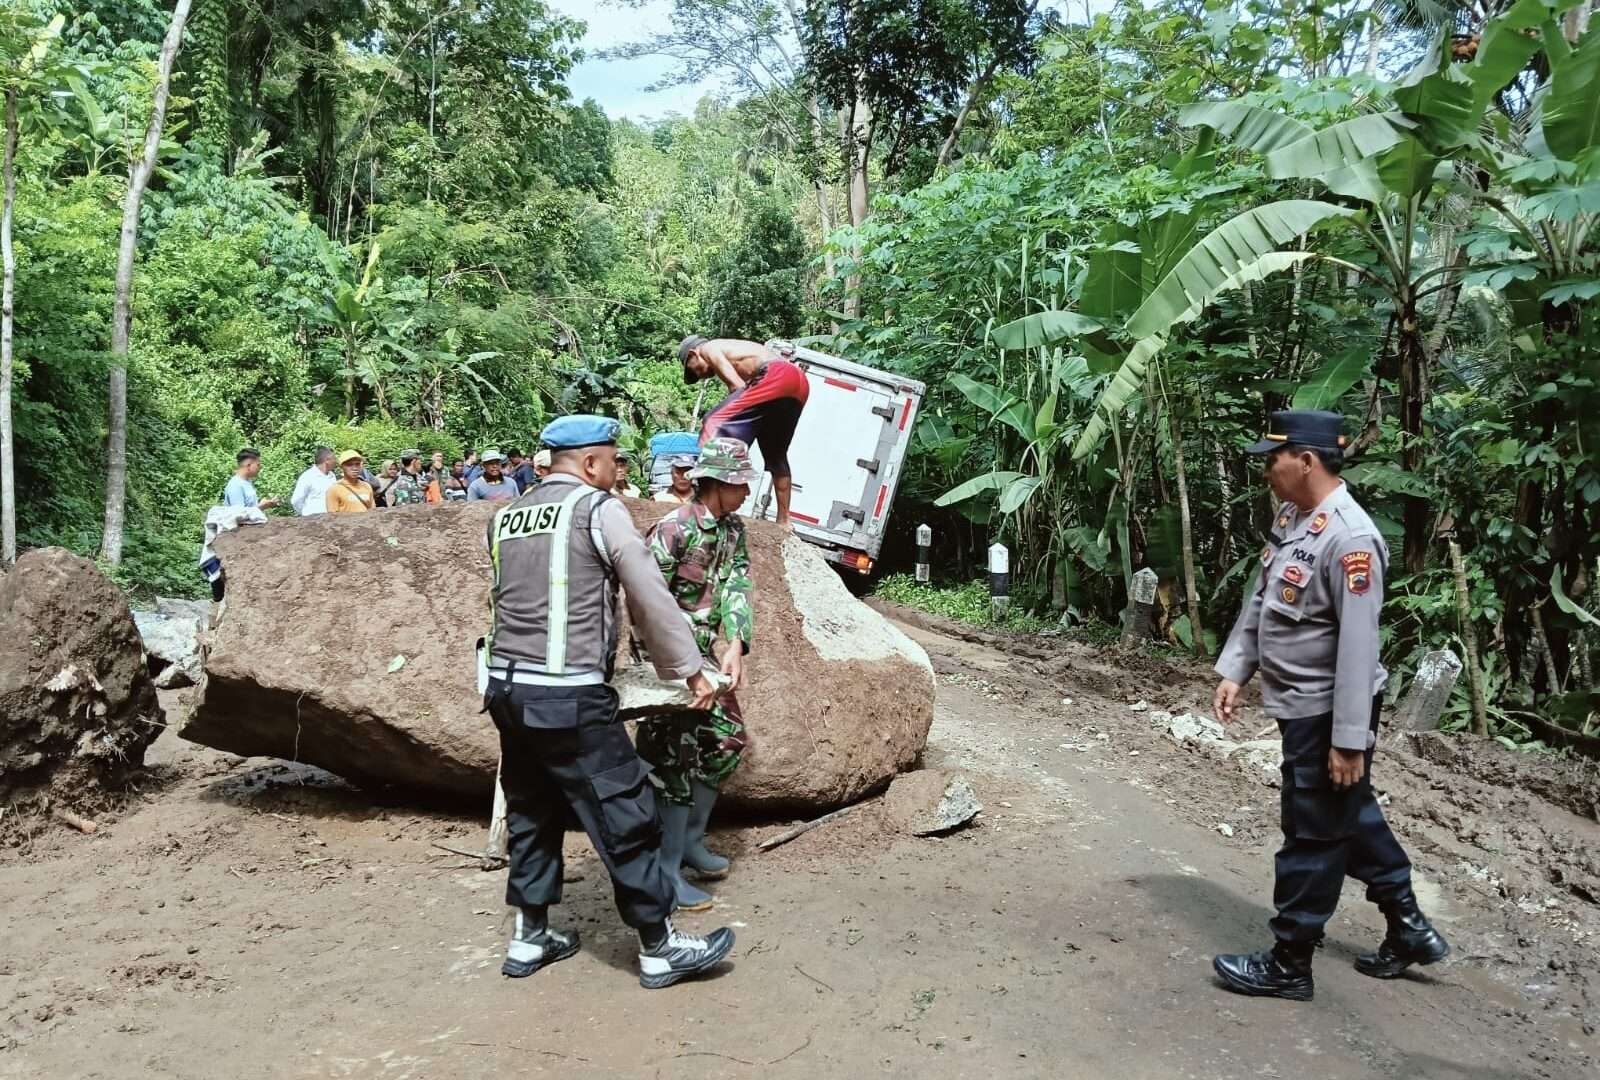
350	494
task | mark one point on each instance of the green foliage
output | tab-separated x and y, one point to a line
756	289
967	603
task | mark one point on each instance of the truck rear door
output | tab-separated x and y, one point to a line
835	454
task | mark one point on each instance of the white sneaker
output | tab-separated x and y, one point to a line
681	955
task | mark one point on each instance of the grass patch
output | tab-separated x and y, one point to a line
967	603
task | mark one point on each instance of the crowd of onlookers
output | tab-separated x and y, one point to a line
343	483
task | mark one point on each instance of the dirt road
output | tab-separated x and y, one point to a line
253	919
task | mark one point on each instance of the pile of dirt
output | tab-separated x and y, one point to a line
77	707
347	642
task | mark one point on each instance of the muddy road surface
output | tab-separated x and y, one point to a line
248	918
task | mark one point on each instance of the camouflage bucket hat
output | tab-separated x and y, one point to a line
727	460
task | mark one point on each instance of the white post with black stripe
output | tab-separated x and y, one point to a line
924	554
999	581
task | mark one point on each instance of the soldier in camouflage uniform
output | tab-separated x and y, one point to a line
700	548
407	488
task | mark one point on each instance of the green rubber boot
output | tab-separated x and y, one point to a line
706	864
674	830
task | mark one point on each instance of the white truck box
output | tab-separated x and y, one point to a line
846	456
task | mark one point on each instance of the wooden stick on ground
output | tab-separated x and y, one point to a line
800	830
490	860
67	817
498	835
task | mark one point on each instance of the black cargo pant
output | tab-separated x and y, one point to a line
562	747
1328	834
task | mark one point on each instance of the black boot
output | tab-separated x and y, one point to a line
1282	971
1411	940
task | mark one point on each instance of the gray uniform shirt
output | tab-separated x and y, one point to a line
521	597
1311	625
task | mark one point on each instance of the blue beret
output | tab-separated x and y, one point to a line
575	432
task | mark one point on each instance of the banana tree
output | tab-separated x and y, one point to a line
1393	165
1538	248
1042	499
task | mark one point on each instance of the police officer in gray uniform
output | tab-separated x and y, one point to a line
559	552
1311	629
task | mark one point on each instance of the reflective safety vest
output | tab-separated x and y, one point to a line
553	604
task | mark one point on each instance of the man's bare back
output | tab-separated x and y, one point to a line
733	360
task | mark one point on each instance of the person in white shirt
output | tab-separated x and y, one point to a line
311	490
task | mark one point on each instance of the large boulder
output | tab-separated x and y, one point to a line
77	708
346	641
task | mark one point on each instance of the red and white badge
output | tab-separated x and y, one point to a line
1293	574
1318	523
1357	571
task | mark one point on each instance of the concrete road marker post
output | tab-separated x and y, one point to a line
999	581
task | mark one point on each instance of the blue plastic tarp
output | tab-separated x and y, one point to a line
674	442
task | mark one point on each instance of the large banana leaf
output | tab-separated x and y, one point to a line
1357	181
1407	167
1016	493
1123	388
1572	107
989	481
1251	126
1444	107
1007	408
1043	328
1112	283
1329	382
1566	603
1505	48
1337	146
1209	264
991	399
1272	262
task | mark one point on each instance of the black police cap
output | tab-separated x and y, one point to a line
1301	427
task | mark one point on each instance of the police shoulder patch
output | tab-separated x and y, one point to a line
1318	523
1357	571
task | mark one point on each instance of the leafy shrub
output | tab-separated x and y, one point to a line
967	603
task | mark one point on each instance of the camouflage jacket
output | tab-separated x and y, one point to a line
407	489
707	568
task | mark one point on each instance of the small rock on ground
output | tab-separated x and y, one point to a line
931	801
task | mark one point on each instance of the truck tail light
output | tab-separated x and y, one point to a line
862	563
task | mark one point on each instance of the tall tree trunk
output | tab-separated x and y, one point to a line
824	206
981	83
1413	397
122	307
858	148
8	482
1225	497
1577	22
1191	590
